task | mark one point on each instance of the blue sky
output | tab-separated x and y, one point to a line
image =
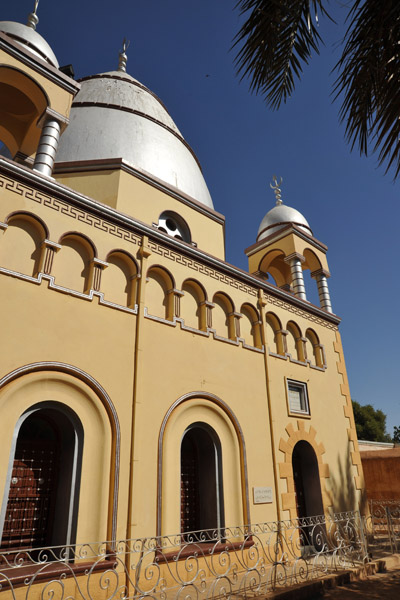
180	49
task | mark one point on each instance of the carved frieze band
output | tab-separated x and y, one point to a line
69	210
298	311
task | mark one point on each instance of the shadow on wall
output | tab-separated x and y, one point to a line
343	491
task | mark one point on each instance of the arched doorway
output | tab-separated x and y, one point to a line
201	480
44	477
307	488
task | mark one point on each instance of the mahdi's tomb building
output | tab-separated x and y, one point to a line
148	387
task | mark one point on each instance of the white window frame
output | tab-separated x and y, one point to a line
301	387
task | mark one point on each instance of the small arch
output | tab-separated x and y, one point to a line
22	102
312	261
73	264
202	502
250	329
174	225
295	343
273	263
223	316
192	305
159	293
275	338
119	278
21	248
314	350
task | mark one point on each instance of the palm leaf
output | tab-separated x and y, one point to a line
369	80
276	40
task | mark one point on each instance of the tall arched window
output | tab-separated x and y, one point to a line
201	480
41	502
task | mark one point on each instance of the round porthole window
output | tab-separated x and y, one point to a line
172	224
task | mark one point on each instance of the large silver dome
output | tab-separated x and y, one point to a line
115	116
278	217
31	39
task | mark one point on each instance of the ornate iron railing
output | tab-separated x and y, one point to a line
244	560
383	524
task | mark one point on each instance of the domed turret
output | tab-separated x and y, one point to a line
27	36
115	116
280	216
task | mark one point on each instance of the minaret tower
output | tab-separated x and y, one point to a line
286	247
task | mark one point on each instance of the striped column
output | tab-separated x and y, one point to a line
294	260
321	277
48	144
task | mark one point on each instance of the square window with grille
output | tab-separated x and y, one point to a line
297	398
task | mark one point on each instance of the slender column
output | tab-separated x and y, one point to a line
177	301
294	260
234	324
50	249
98	268
321	277
52	123
48	144
207	314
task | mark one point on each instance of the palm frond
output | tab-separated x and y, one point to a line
276	41
369	80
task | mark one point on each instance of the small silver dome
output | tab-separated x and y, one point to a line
115	116
280	216
30	38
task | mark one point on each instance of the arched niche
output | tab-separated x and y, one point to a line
314	349
193	308
191	409
222	316
294	341
119	279
22	102
21	248
275	339
250	326
69	391
159	298
73	264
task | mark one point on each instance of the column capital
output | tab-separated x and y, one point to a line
320	272
51	114
290	257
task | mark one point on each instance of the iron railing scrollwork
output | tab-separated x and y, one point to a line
244	560
382	525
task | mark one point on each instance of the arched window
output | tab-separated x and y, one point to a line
193	309
222	316
21	244
201	481
275	337
250	326
40	507
73	264
174	225
118	280
159	293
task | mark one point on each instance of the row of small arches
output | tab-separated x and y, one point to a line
191	304
73	262
25	248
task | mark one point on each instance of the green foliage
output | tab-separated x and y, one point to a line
279	38
396	435
370	423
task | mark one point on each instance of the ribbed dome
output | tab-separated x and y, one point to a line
278	217
115	116
31	39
